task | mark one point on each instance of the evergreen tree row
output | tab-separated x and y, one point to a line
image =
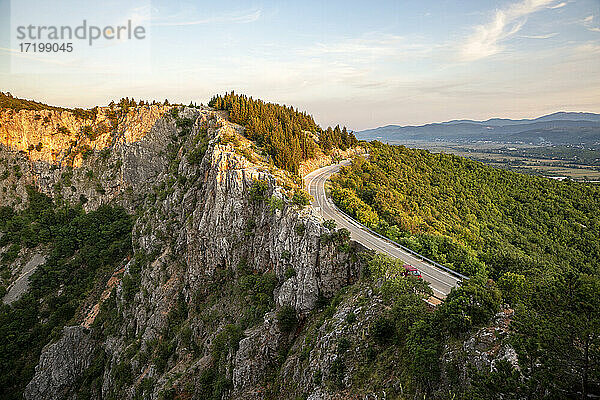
287	135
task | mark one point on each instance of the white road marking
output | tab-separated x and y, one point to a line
441	281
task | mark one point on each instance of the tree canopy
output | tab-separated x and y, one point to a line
287	135
7	100
531	240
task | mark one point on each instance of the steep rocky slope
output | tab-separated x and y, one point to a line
95	158
199	230
234	289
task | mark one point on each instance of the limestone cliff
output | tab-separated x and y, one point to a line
206	224
92	159
235	289
56	136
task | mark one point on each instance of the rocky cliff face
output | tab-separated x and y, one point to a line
234	290
207	224
91	159
61	365
119	163
64	136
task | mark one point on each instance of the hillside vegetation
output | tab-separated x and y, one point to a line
286	134
84	249
501	221
7	100
536	238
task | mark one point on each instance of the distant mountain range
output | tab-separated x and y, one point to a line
557	128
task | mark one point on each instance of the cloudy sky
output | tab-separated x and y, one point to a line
362	64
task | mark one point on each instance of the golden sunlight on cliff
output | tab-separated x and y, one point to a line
64	137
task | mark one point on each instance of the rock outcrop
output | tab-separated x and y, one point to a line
61	365
63	137
481	350
206	224
92	160
21	284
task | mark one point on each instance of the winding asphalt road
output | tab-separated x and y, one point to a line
441	281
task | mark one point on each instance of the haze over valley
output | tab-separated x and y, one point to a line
558	145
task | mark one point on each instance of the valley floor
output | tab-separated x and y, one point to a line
557	162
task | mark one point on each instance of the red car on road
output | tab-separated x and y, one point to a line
409	270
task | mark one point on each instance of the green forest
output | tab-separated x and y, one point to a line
535	239
85	249
287	135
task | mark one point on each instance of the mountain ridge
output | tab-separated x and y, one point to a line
183	262
556	128
560	115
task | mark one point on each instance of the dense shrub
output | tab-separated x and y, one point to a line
473	303
301	197
258	190
256	291
287	319
383	330
300	229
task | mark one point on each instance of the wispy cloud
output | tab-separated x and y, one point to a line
559	5
368	47
240	18
587	49
486	40
547	36
588	22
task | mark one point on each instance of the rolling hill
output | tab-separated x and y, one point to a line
557	129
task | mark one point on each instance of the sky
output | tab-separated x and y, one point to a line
355	63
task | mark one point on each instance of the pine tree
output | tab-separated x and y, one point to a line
284	132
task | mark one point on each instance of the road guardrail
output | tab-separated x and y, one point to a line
406	249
